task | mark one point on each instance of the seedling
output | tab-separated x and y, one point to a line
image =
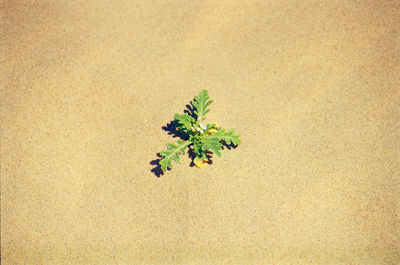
203	139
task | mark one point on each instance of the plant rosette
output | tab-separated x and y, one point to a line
203	139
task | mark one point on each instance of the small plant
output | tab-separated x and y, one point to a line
201	139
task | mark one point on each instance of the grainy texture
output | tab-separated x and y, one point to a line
312	86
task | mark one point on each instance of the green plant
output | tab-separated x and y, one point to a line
201	139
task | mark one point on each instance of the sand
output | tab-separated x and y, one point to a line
311	86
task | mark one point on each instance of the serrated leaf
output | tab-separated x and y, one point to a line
208	103
183	122
229	137
170	146
199	152
201	104
212	144
172	153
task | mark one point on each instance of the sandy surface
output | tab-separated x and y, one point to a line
312	86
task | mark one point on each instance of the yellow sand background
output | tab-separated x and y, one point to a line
312	86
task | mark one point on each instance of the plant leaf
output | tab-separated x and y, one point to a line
172	153
212	144
199	152
183	122
201	104
229	137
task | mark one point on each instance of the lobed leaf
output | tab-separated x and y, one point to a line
201	104
229	137
198	151
212	144
172	153
183	122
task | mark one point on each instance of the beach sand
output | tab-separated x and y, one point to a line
311	86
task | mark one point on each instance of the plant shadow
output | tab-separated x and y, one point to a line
171	128
190	110
228	146
157	169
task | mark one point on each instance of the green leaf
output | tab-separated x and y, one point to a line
229	137
172	153
199	152
183	122
201	104
212	144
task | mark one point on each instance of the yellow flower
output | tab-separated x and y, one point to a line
198	162
211	131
